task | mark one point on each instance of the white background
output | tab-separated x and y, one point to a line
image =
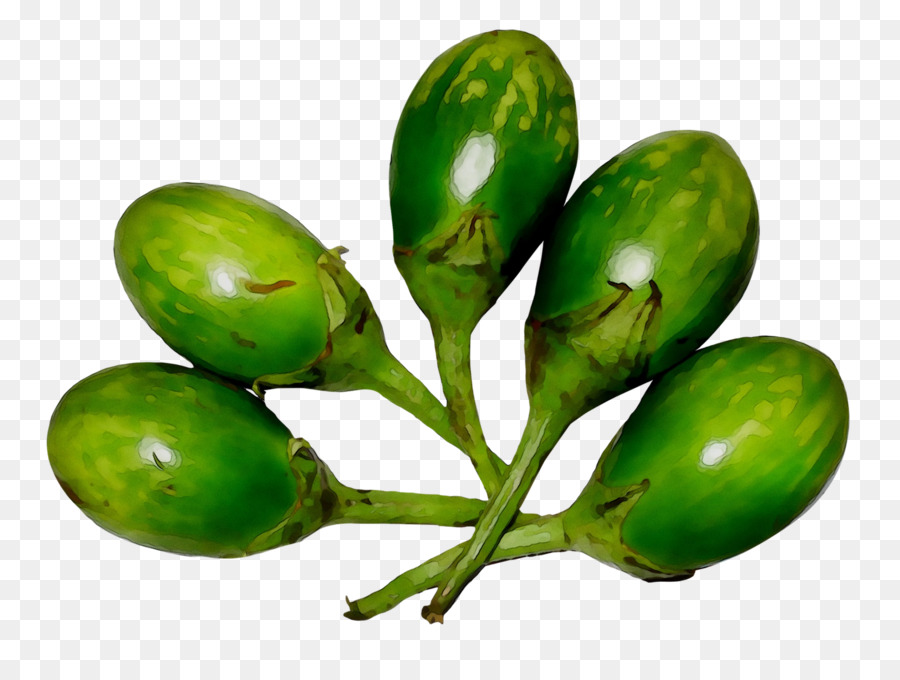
298	103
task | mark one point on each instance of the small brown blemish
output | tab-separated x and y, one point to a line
361	324
70	492
495	32
400	250
530	52
609	505
243	342
266	288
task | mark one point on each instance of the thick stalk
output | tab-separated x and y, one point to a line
531	536
400	507
542	432
453	347
382	372
393	381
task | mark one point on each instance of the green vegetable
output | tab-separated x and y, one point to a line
239	287
649	256
482	160
728	446
178	460
734	443
227	280
723	452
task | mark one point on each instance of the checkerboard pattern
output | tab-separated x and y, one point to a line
297	102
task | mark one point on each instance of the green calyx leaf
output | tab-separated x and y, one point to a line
318	492
330	272
581	358
594	527
469	243
456	274
355	341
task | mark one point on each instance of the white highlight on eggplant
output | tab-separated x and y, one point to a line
632	264
473	165
223	278
225	283
713	452
156	452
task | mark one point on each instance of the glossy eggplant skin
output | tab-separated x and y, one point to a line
174	459
724	451
482	160
226	279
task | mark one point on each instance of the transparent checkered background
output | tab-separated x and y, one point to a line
298	103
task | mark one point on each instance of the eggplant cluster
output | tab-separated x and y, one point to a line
640	267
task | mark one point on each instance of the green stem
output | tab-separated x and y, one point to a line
363	361
542	431
400	507
453	347
393	381
357	357
539	536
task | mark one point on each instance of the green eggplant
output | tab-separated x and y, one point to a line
241	288
483	156
723	452
172	459
648	258
176	459
229	281
482	160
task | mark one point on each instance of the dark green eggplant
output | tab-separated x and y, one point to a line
482	160
725	450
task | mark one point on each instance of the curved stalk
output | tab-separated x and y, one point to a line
400	507
542	431
453	348
531	536
393	381
360	359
